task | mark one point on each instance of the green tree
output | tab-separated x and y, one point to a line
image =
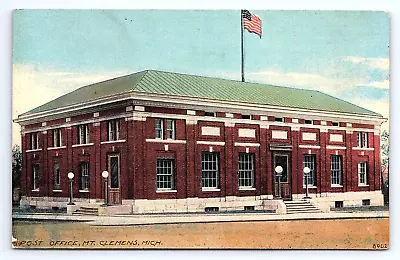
16	166
385	148
385	164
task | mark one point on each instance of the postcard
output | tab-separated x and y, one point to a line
200	129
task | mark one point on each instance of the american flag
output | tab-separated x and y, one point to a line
251	22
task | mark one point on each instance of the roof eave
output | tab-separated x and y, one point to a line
190	103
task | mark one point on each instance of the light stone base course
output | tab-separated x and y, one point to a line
115	210
59	202
230	203
350	199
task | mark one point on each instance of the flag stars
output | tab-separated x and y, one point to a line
251	22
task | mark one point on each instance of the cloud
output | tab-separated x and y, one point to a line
33	86
380	106
376	63
305	80
379	84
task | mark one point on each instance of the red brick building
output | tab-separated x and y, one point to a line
175	142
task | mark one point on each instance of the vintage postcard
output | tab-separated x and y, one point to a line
200	129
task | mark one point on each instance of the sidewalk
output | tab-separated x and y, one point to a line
149	219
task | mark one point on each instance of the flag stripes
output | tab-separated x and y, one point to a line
252	23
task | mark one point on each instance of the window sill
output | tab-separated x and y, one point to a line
364	148
310	187
336	186
84	191
166	141
33	150
363	185
35	190
246	188
57	190
58	147
79	145
211	143
210	189
114	141
336	147
166	191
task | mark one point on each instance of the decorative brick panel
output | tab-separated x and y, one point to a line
337	138
245	132
210	131
276	134
309	136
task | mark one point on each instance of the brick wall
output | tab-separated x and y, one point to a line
138	156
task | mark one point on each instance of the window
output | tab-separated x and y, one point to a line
336	170
362	139
209	170
308	122
34	141
83	134
246	117
114	127
249	208
278	119
362	173
366	202
165	174
209	114
85	177
57	137
211	209
57	176
35	176
335	123
159	128
170	129
339	204
246	170
365	140
309	161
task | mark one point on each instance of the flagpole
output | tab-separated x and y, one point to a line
241	30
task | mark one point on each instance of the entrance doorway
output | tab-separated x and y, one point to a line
285	190
114	182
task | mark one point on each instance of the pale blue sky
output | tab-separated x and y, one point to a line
344	54
195	41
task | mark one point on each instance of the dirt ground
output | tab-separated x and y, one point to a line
305	234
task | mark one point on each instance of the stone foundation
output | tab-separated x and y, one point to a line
323	201
350	199
229	203
59	202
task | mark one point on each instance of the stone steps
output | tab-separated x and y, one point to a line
84	211
293	207
303	210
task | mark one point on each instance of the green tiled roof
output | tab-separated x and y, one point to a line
168	83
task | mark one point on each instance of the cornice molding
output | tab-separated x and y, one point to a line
190	119
146	99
